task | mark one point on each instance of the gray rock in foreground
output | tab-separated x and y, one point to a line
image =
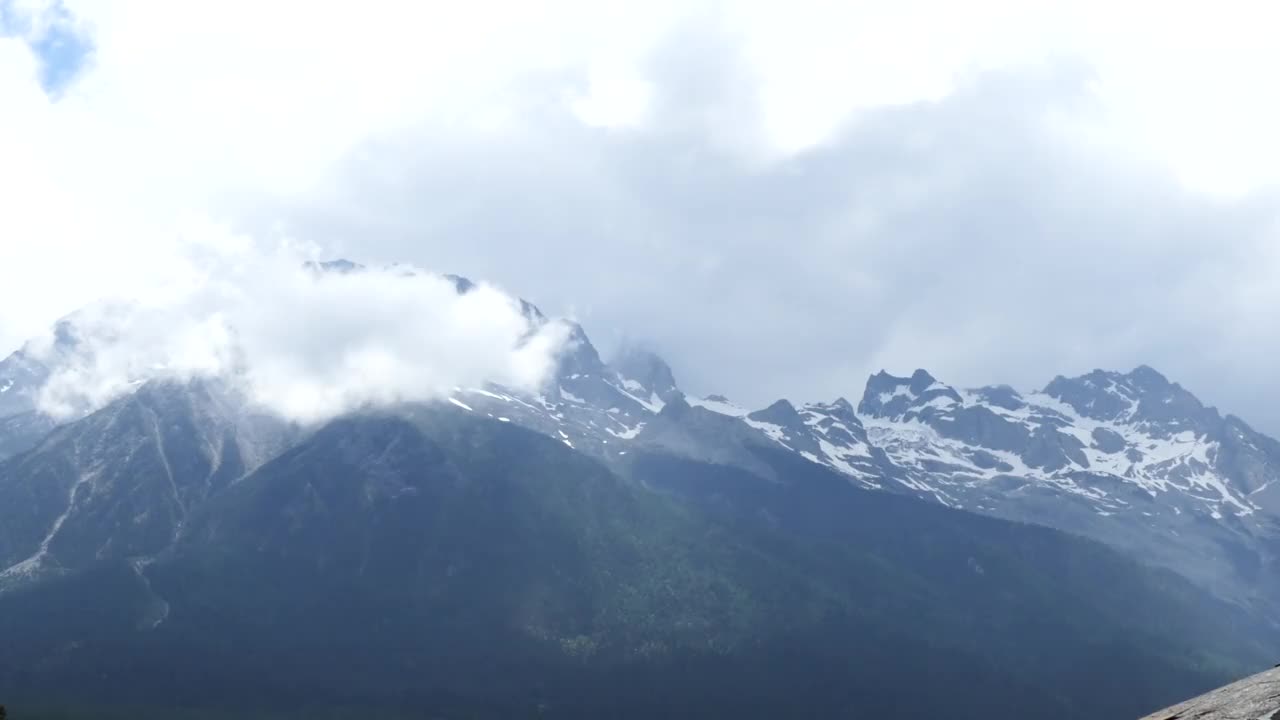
1253	698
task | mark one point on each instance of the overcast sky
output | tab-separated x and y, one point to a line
779	198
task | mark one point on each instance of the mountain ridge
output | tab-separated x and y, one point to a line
178	485
1129	458
431	541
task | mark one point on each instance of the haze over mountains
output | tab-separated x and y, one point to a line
500	542
751	454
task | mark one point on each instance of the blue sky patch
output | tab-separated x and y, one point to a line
63	47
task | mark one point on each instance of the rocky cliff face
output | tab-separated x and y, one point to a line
122	482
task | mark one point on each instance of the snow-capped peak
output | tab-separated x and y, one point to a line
888	396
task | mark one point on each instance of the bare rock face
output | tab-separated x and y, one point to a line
1253	698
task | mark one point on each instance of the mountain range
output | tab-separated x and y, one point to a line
610	545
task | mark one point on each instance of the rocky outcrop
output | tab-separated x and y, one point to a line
1253	698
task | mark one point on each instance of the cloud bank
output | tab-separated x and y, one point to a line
779	198
305	343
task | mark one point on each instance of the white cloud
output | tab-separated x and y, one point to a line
200	110
616	97
451	135
307	345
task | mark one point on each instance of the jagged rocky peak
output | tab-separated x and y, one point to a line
579	356
25	371
1001	396
1141	396
837	422
461	284
781	413
1147	376
921	380
650	372
1100	395
890	396
531	312
340	266
839	409
881	390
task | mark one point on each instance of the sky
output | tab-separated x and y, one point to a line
778	198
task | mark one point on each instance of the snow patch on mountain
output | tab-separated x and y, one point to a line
718	404
774	432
